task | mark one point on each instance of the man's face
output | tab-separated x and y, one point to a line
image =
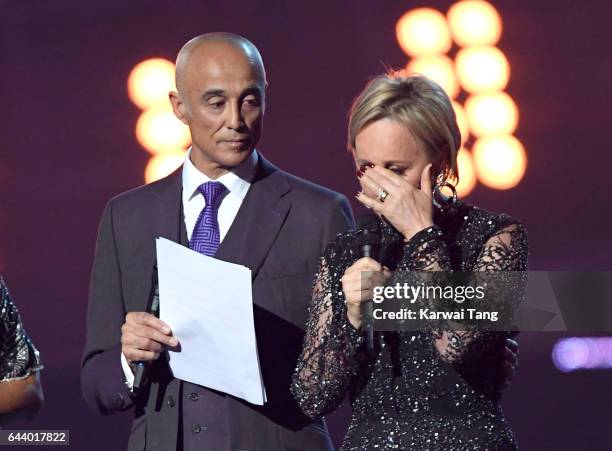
222	102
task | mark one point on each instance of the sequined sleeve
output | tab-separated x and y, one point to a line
426	251
332	346
18	356
504	251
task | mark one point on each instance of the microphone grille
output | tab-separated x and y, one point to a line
369	222
368	230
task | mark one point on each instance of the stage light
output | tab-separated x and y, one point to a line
462	121
482	69
158	131
467	174
474	22
439	68
500	161
162	165
423	31
150	81
587	353
569	354
491	113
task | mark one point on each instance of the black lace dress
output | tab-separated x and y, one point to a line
420	390
18	356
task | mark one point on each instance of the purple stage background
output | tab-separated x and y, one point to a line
67	145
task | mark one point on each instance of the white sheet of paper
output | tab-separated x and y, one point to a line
208	304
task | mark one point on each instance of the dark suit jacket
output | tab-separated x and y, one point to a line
279	232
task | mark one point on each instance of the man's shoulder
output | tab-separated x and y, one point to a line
315	204
310	191
148	193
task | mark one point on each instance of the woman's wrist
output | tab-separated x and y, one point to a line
408	234
354	319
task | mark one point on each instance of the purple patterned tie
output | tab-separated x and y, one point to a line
206	237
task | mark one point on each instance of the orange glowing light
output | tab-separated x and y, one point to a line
500	161
482	69
492	114
150	81
462	121
474	22
162	165
439	68
423	31
159	131
467	174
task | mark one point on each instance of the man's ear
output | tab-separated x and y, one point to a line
178	107
264	98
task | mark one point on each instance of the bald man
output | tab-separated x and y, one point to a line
229	202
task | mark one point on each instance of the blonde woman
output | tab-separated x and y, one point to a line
418	390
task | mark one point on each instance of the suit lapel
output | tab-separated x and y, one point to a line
259	219
159	214
253	231
168	212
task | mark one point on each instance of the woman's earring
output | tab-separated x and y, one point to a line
438	198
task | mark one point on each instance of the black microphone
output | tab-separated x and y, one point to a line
153	308
368	243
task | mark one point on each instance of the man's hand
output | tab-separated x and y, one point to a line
144	337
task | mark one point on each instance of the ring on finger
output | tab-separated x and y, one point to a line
382	195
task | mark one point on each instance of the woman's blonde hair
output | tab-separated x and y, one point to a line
418	103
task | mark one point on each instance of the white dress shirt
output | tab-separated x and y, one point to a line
236	181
